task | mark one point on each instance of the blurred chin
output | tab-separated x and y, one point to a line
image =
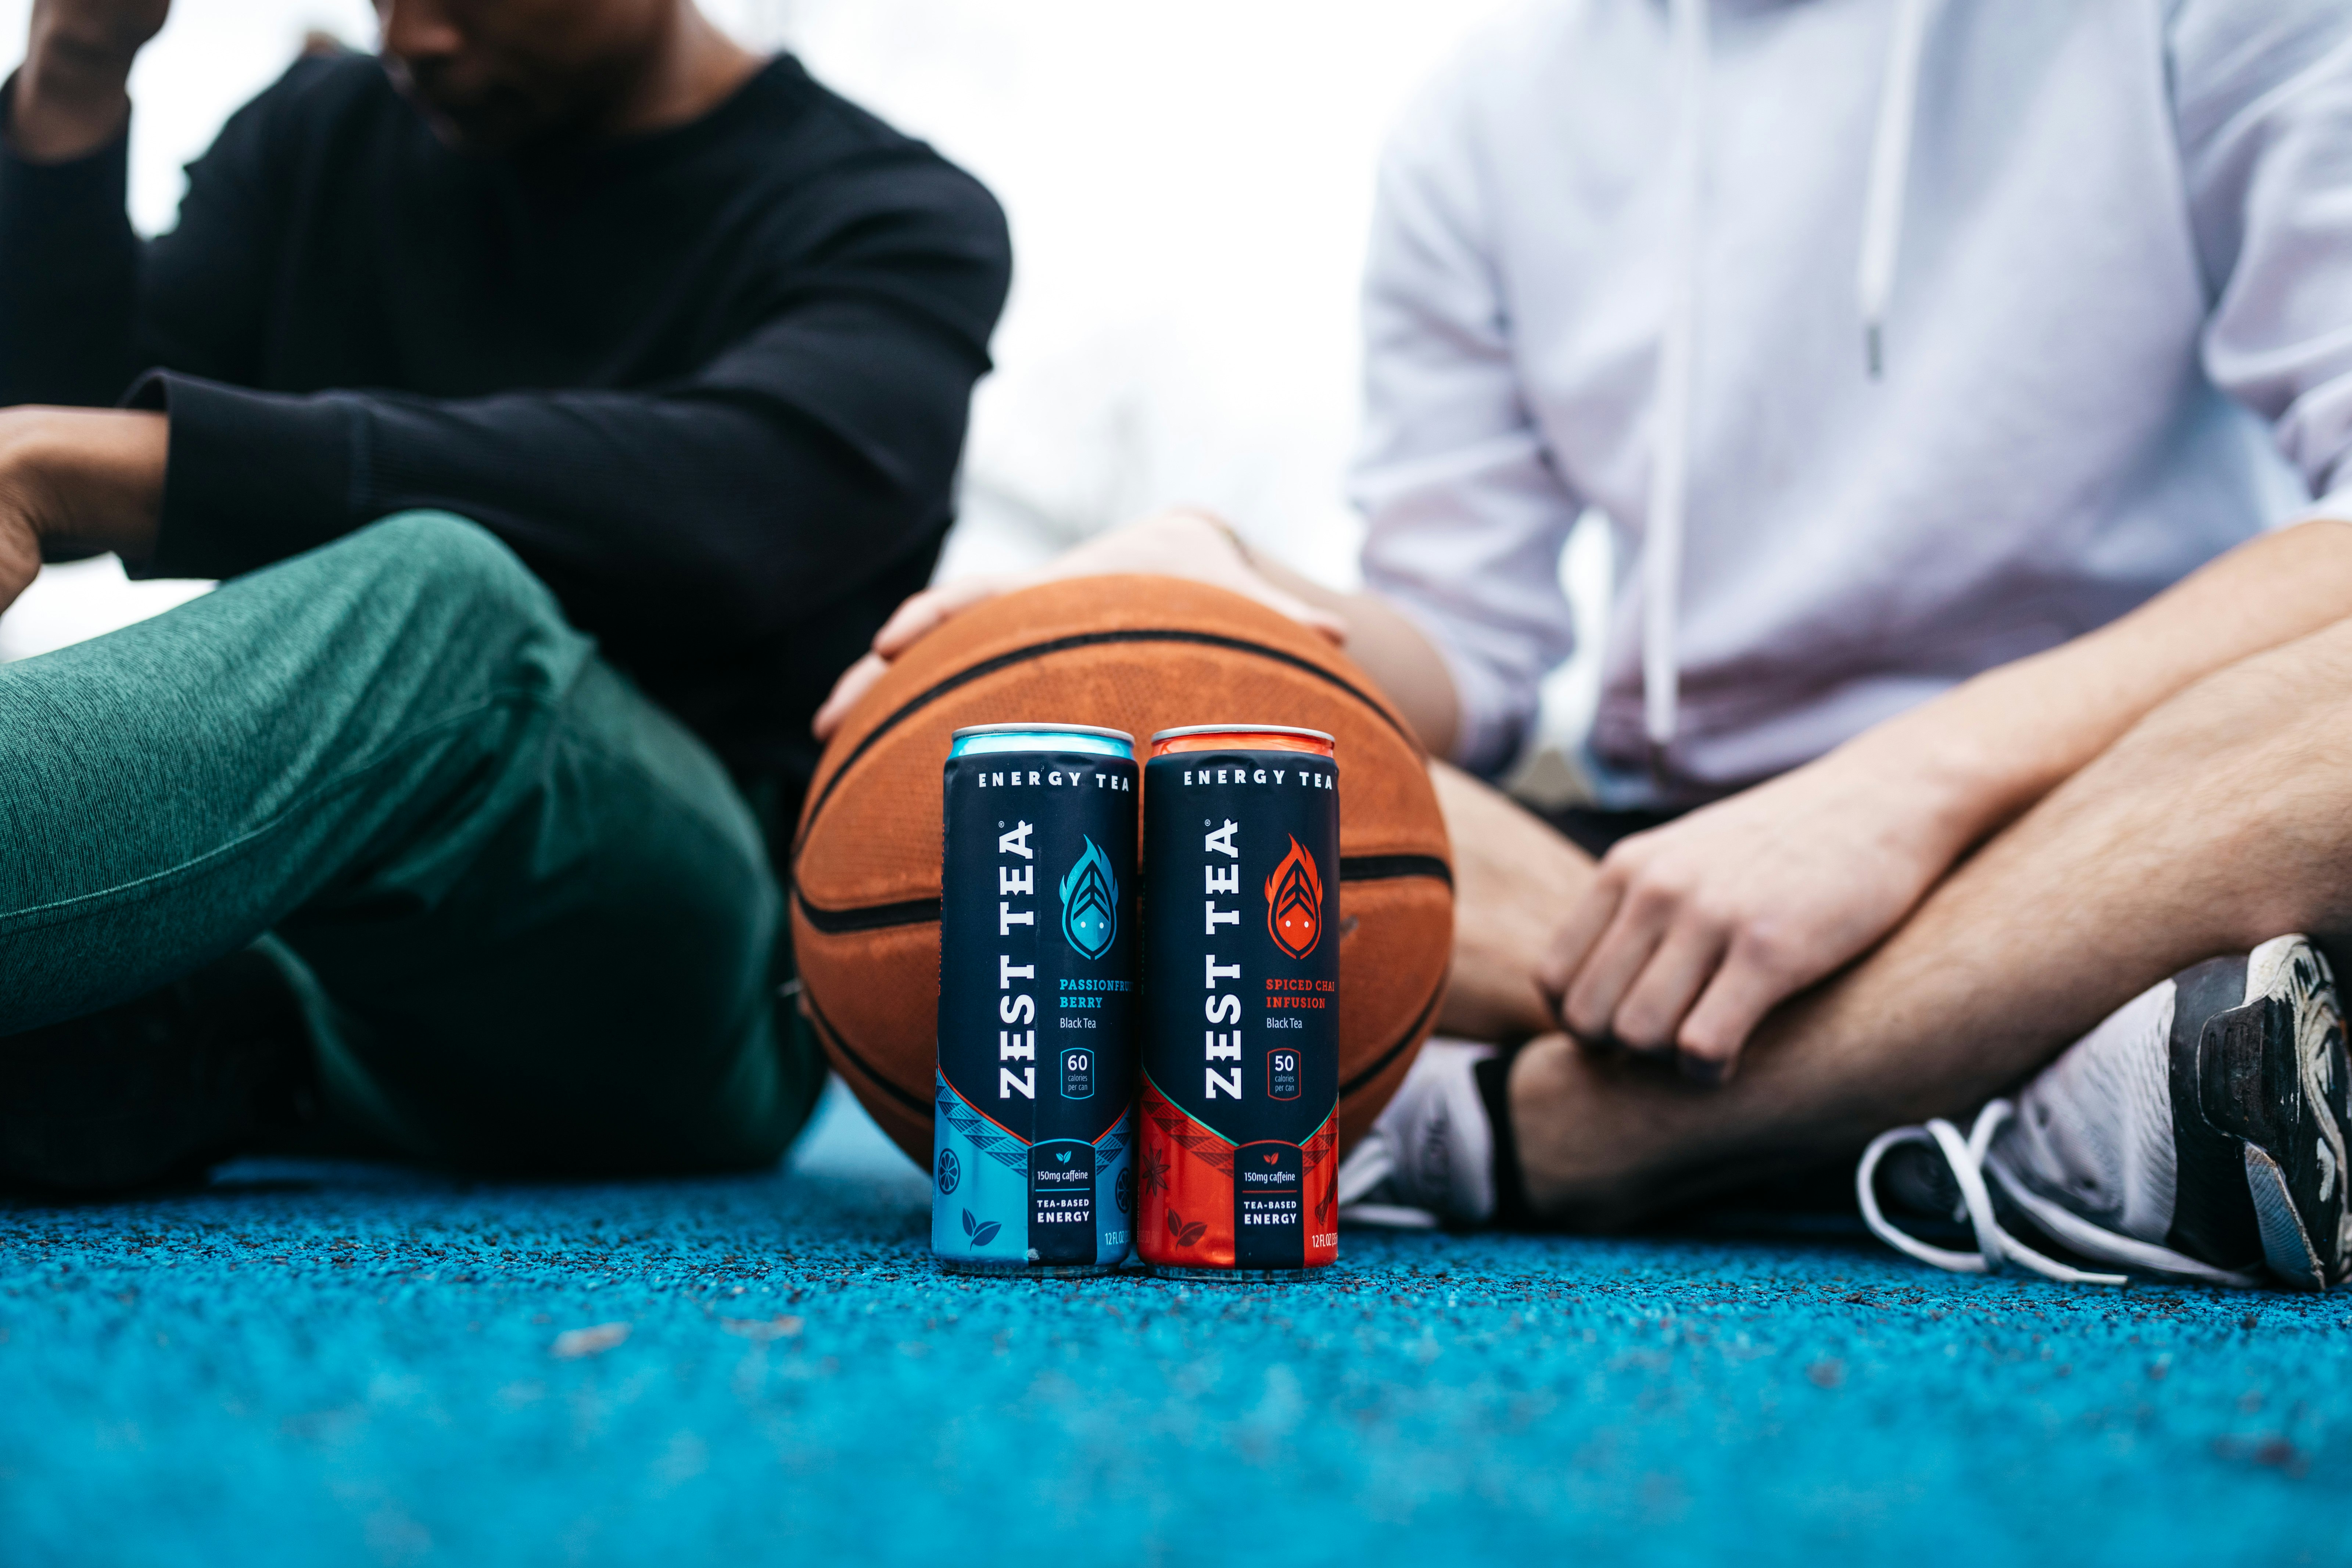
495	120
468	131
495	124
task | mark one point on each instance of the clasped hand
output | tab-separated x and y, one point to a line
1690	934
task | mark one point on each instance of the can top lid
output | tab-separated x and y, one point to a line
1161	735
1041	729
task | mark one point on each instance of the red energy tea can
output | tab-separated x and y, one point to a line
1239	1137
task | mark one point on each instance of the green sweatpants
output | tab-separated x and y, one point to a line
534	921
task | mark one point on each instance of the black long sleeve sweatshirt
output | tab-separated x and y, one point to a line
710	384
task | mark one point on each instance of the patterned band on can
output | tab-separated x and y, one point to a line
1032	1164
1239	1132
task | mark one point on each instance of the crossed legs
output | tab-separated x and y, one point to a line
2223	818
536	921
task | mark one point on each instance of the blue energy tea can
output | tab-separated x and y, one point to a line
1034	1118
1239	1116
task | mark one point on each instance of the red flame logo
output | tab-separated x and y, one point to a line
1294	903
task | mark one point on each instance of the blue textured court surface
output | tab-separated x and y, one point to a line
349	1364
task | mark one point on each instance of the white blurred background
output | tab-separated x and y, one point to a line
1189	189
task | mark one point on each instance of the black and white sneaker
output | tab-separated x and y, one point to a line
2198	1132
159	1088
1429	1159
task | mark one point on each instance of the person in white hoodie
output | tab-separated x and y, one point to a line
1898	342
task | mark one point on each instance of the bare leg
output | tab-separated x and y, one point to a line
1515	881
2220	820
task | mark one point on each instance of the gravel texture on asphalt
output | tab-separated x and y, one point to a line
339	1363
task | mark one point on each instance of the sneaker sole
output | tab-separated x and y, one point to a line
2286	1245
2272	1074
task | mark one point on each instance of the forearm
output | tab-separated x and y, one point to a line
710	519
2218	822
715	522
1985	751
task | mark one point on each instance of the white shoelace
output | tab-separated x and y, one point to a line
1966	1156
1970	1159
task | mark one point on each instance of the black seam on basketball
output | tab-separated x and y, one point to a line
825	1028
832	1032
868	917
1420	1023
926	911
1392	868
931	694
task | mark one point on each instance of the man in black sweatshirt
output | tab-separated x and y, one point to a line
561	320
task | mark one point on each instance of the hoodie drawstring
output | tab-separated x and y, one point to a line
1661	546
1882	235
1890	169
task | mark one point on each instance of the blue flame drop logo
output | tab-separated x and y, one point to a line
1090	903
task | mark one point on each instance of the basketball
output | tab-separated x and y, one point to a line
1133	653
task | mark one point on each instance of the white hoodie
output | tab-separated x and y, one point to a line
2117	340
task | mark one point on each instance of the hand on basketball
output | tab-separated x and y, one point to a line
1690	934
1179	543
